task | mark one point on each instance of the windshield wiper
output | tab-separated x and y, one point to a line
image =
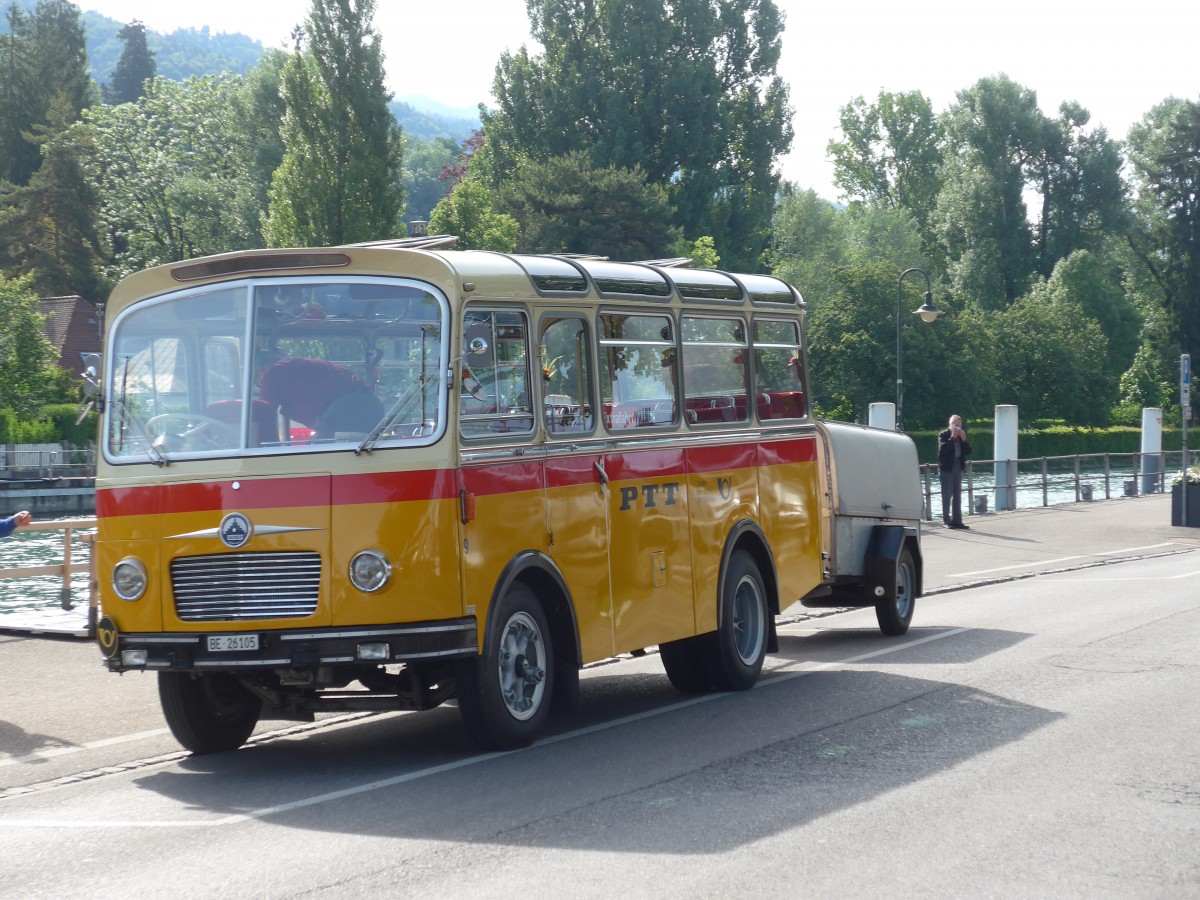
128	418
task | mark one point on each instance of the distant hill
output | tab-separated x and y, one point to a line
189	51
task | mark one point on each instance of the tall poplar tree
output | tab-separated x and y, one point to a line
341	179
135	67
686	90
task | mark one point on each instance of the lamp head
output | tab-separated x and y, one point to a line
927	311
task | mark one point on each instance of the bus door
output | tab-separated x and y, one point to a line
577	513
647	487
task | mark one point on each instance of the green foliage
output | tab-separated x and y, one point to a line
42	57
424	162
686	90
134	68
174	172
1164	152
567	205
26	357
470	213
889	156
341	177
48	227
702	252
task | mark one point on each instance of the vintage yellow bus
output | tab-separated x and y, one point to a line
380	477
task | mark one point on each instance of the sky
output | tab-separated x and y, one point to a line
1117	64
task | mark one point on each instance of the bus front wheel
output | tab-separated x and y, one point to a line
504	694
208	713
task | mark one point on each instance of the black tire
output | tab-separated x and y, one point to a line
740	644
208	713
895	613
504	695
686	663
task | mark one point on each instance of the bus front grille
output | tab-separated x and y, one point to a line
228	587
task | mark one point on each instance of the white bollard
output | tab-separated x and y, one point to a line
882	415
1005	455
1152	456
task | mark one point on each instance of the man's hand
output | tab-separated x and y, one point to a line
22	518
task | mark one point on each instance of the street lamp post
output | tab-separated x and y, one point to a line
928	312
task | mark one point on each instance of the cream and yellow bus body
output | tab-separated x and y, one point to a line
622	533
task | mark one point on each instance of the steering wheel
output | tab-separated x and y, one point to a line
198	432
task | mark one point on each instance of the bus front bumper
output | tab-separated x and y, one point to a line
298	649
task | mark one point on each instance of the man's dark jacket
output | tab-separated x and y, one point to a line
946	450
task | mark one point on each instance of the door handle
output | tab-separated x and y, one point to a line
599	467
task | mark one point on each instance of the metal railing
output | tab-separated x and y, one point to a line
1061	479
66	568
47	461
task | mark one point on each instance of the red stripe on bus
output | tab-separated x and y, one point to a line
722	458
779	453
502	478
394	487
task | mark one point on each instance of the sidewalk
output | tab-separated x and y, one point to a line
1009	545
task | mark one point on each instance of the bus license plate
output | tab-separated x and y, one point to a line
225	643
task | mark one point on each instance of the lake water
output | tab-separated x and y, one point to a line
36	602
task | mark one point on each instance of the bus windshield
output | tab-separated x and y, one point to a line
280	365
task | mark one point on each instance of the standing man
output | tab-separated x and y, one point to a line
953	449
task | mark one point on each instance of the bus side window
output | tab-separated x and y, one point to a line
778	372
566	376
498	400
638	367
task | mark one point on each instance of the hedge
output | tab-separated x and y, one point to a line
54	425
1056	441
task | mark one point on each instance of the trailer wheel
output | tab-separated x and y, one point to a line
208	713
504	694
895	613
686	663
740	644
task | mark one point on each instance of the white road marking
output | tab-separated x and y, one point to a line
1045	562
78	748
785	672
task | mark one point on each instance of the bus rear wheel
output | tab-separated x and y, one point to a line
504	694
741	638
686	663
208	713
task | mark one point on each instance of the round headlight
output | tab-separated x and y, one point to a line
129	578
370	571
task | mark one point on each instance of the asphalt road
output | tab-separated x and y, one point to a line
1033	737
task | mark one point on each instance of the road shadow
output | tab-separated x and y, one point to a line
641	769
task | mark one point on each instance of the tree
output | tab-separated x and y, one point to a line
48	227
1164	153
341	177
469	213
43	57
1078	175
174	172
26	356
424	163
889	155
1051	361
686	90
566	205
135	67
994	132
809	244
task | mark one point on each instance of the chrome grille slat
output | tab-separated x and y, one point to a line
229	587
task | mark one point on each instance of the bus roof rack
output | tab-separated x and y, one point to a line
675	262
422	242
